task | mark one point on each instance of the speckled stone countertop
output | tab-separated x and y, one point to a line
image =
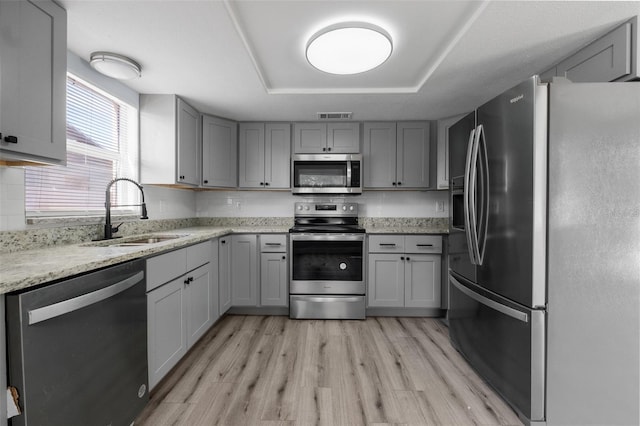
392	225
29	258
23	269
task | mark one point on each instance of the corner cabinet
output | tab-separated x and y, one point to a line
219	152
181	305
264	155
321	138
169	141
398	155
404	271
224	274
33	47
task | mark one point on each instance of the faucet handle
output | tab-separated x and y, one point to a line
116	228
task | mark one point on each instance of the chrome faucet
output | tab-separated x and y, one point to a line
109	230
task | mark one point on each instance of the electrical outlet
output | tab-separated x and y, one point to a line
440	206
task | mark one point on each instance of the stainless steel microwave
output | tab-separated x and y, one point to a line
326	174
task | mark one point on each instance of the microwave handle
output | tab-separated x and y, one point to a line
348	173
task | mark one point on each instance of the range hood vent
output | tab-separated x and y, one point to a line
334	115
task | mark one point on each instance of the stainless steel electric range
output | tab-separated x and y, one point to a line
327	262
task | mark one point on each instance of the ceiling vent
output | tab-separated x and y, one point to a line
334	115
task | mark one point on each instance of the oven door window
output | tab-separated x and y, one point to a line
320	174
327	260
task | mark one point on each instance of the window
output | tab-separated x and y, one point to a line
102	144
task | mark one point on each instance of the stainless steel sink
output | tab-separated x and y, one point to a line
135	241
151	240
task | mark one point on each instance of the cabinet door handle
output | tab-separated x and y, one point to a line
324	149
206	181
401	257
11	139
261	183
399	183
329	149
393	183
284	257
408	259
266	184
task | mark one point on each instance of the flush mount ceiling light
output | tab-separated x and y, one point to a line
115	66
349	48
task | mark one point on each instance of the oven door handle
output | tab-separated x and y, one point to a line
327	237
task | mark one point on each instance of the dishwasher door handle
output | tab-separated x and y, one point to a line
79	302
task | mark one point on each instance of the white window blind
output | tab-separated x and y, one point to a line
102	144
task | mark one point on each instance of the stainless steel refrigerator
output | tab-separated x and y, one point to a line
544	249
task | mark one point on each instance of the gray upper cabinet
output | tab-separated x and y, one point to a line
265	153
443	150
33	46
379	155
613	57
334	138
169	141
398	155
219	152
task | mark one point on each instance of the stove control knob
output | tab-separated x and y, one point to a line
299	207
306	207
344	208
351	208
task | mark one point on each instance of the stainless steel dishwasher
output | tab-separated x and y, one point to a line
77	349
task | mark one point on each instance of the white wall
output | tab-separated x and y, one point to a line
280	204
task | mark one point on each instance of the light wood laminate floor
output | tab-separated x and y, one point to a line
270	370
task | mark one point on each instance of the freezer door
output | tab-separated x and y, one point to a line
505	344
514	129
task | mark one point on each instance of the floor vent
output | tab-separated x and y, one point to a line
334	115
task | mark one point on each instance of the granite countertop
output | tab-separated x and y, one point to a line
28	268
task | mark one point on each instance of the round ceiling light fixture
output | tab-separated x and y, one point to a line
349	48
115	66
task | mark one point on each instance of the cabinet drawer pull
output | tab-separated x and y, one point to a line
273	244
387	244
424	245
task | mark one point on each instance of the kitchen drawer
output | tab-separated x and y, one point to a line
274	243
423	244
166	267
198	255
386	244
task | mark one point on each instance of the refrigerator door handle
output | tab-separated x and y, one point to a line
466	204
481	236
513	313
473	180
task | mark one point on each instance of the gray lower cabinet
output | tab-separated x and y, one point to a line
404	271
244	270
274	282
224	274
181	302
